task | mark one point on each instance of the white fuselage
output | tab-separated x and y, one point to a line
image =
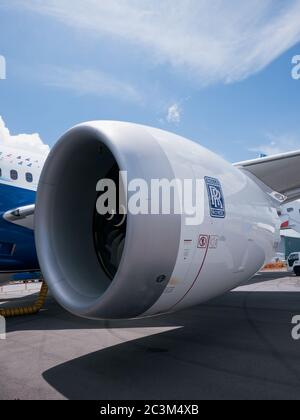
19	176
19	168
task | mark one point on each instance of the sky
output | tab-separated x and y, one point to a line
216	71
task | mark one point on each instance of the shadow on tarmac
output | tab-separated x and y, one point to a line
238	346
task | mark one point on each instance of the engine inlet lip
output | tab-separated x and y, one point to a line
81	286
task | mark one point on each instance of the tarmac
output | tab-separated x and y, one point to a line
238	346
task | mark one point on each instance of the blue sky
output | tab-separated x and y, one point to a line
218	72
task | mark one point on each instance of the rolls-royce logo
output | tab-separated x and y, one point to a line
216	198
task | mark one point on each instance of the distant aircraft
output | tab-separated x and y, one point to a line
290	214
152	264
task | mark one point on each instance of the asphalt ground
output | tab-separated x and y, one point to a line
238	346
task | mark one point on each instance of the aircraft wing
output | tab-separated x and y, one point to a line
22	216
280	173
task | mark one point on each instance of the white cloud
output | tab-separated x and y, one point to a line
217	41
174	114
276	144
88	82
28	142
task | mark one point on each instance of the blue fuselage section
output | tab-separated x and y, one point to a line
17	246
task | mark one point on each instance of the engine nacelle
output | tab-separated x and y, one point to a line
152	263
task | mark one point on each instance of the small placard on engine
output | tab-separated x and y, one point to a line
213	243
203	242
188	244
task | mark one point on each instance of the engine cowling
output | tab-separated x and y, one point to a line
99	268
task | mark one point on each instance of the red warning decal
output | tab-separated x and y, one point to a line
203	241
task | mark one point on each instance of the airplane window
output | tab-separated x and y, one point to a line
290	210
14	175
0	172
29	177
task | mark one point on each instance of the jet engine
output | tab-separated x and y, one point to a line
123	265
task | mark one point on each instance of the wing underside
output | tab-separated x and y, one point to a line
280	173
